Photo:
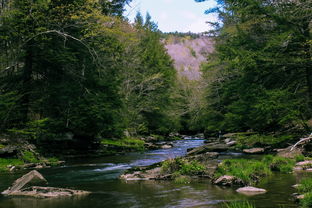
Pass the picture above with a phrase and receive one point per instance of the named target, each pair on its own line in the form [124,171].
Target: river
[100,176]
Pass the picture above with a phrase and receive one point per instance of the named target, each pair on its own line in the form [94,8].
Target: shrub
[281,164]
[28,156]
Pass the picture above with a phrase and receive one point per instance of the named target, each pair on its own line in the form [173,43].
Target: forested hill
[189,53]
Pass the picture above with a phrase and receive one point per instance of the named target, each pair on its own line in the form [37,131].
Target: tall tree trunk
[26,82]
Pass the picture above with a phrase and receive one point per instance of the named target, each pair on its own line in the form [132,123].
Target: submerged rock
[249,190]
[24,186]
[228,181]
[254,150]
[47,192]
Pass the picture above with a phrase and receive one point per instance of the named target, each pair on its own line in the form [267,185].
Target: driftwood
[24,187]
[301,141]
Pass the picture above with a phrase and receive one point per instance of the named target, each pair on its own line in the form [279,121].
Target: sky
[174,15]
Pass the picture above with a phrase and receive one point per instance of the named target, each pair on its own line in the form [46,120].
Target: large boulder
[249,190]
[228,181]
[48,192]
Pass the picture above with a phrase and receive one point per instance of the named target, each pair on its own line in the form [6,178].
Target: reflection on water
[100,176]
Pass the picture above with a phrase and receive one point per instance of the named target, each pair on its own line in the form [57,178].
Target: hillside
[188,54]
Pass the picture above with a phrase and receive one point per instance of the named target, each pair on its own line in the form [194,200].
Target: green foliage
[182,167]
[250,171]
[128,143]
[4,163]
[244,204]
[258,77]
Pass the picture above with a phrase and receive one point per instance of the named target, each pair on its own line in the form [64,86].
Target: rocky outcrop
[8,150]
[24,186]
[228,181]
[254,151]
[249,190]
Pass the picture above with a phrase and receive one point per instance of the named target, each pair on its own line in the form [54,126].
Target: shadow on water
[100,176]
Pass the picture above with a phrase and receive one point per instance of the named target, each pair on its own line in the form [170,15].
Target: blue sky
[174,15]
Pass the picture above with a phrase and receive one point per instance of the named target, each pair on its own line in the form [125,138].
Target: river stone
[166,146]
[254,150]
[305,163]
[228,181]
[249,190]
[31,178]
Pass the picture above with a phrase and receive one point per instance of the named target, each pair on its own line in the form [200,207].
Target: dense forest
[79,71]
[260,76]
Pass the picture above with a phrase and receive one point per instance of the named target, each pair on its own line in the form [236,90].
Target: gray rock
[254,150]
[8,150]
[228,181]
[166,146]
[231,143]
[249,190]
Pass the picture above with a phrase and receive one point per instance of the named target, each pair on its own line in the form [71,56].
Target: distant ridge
[189,53]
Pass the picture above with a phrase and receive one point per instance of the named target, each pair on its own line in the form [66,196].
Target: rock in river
[254,150]
[249,190]
[209,148]
[22,187]
[228,181]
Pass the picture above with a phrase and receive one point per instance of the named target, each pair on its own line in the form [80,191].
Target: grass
[182,167]
[305,188]
[2,146]
[4,163]
[246,141]
[306,202]
[244,204]
[249,171]
[305,185]
[126,143]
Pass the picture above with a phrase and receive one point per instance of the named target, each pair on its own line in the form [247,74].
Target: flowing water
[100,176]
